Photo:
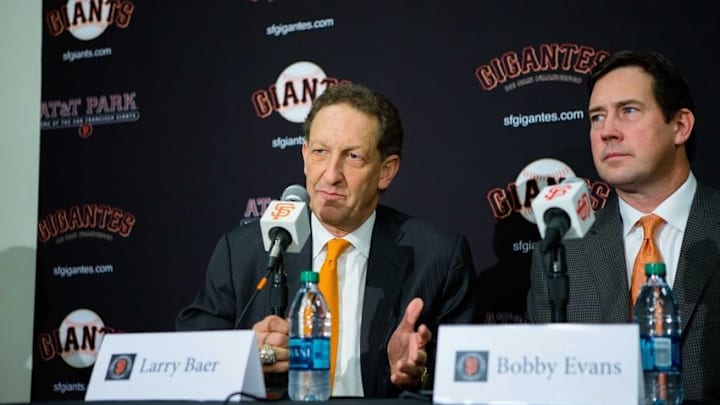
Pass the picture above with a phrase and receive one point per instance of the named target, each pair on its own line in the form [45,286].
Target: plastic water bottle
[657,314]
[309,376]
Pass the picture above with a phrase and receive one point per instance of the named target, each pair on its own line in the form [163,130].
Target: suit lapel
[605,253]
[699,246]
[388,266]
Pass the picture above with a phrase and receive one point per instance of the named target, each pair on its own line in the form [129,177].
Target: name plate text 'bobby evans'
[567,364]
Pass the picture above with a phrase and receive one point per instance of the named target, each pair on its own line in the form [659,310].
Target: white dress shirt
[675,210]
[352,269]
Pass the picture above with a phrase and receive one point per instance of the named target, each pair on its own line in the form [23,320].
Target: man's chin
[331,214]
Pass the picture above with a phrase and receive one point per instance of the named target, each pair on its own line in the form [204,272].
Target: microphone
[285,225]
[295,192]
[563,211]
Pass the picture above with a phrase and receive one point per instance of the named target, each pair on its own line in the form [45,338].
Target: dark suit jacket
[408,258]
[599,289]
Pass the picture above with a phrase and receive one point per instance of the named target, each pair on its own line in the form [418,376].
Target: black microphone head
[295,192]
[557,216]
[282,235]
[558,223]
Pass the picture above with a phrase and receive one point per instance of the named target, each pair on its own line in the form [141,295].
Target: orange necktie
[329,288]
[648,253]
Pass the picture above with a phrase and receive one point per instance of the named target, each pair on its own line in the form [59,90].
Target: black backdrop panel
[162,129]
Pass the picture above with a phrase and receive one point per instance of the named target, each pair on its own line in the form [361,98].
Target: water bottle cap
[308,276]
[655,269]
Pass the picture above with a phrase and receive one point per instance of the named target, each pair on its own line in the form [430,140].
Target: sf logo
[557,191]
[584,207]
[282,210]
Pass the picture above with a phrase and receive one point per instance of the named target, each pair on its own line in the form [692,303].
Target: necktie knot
[649,224]
[648,253]
[335,247]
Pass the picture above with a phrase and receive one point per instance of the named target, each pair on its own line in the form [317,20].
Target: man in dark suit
[641,121]
[400,278]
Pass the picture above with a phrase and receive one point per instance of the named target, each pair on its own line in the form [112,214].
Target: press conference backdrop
[165,124]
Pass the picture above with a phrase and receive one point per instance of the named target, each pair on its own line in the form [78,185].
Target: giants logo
[518,195]
[282,210]
[584,207]
[547,57]
[86,217]
[557,191]
[76,341]
[471,366]
[88,19]
[120,366]
[293,92]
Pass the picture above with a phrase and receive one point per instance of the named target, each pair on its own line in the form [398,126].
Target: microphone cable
[260,285]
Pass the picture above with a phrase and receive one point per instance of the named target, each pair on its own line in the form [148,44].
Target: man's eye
[629,110]
[596,118]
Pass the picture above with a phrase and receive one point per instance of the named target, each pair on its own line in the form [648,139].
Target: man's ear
[304,156]
[684,123]
[388,169]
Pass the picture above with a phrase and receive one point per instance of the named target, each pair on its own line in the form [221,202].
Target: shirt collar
[674,210]
[360,237]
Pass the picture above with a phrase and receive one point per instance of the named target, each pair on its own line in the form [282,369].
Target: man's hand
[274,331]
[406,349]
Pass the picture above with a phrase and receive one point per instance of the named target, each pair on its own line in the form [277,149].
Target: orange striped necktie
[329,289]
[648,253]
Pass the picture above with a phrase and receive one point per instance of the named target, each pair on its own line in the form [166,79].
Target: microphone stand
[276,384]
[278,288]
[278,283]
[558,284]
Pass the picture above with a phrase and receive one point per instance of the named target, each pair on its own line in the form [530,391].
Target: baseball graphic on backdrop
[302,76]
[92,28]
[540,170]
[81,333]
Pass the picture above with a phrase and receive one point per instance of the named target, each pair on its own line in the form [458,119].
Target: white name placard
[207,365]
[590,364]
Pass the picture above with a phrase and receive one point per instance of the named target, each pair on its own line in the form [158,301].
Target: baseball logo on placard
[471,365]
[120,366]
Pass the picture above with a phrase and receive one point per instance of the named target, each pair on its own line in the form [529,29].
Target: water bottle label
[663,354]
[309,354]
[660,353]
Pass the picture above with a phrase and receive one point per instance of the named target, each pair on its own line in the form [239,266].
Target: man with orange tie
[390,279]
[641,122]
